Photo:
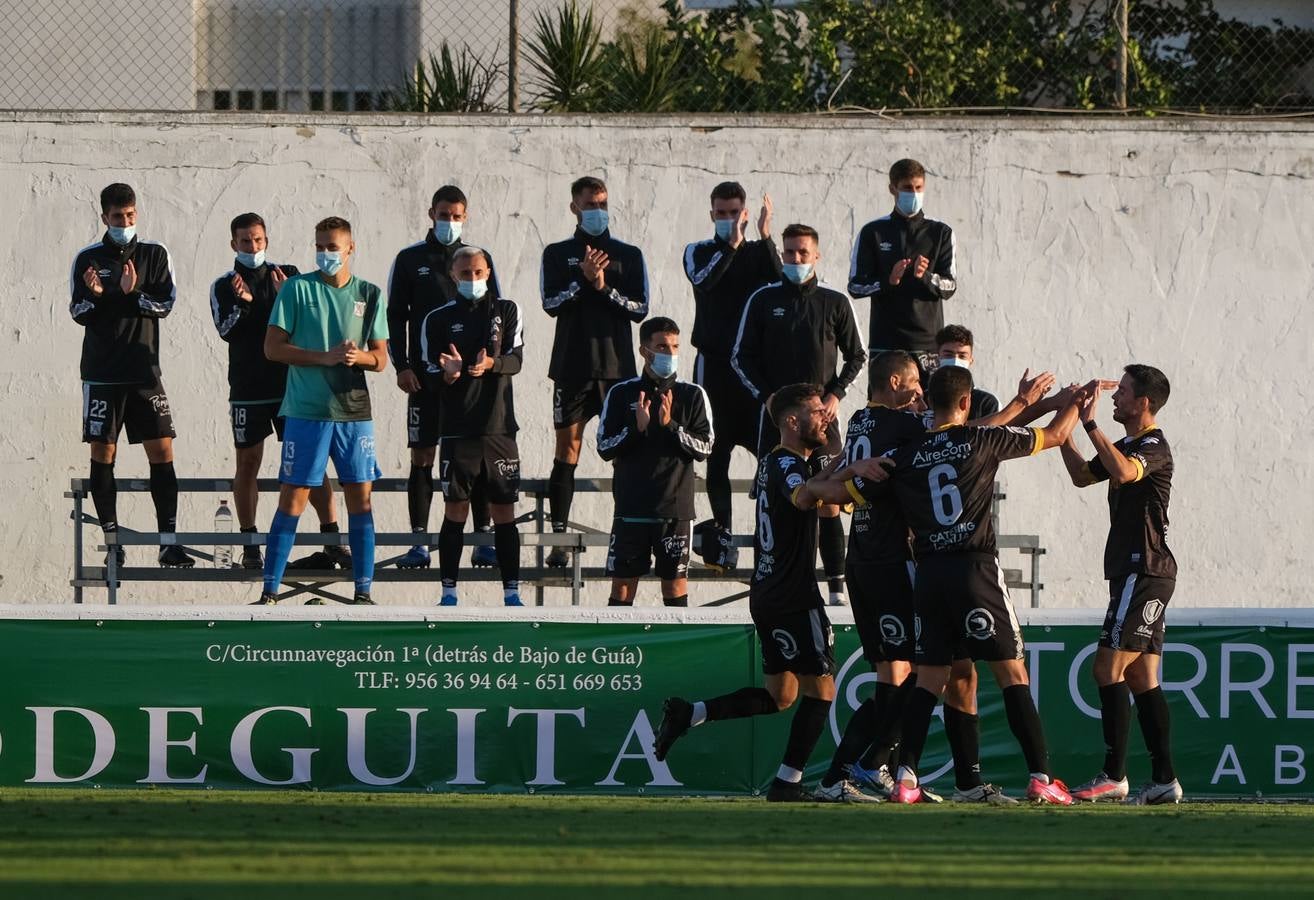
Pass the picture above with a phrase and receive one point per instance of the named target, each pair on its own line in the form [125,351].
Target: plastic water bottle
[223,524]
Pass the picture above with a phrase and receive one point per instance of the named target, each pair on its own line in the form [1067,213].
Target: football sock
[889,723]
[1152,712]
[918,708]
[857,735]
[561,493]
[805,731]
[830,539]
[1115,717]
[419,496]
[699,714]
[745,702]
[1024,722]
[451,541]
[479,511]
[682,600]
[164,493]
[360,536]
[964,733]
[104,495]
[718,482]
[506,541]
[278,547]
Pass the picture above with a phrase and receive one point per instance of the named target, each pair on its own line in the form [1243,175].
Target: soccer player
[421,281]
[904,262]
[944,483]
[787,608]
[954,345]
[1142,573]
[596,287]
[653,428]
[470,348]
[725,270]
[121,288]
[880,573]
[795,331]
[330,328]
[240,302]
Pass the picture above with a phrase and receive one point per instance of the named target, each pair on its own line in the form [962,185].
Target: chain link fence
[648,56]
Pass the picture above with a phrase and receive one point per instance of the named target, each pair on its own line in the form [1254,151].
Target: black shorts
[462,461]
[801,642]
[253,422]
[1136,612]
[422,419]
[736,414]
[633,545]
[963,611]
[575,403]
[143,409]
[883,610]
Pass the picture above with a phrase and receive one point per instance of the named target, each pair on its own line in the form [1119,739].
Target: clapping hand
[450,363]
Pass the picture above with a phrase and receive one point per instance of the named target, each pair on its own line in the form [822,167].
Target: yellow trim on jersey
[1140,468]
[858,499]
[939,428]
[1040,440]
[1151,427]
[793,495]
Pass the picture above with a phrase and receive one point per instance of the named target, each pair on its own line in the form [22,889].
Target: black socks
[104,495]
[745,702]
[419,496]
[451,541]
[889,721]
[1024,722]
[964,733]
[857,736]
[805,731]
[1115,717]
[830,540]
[718,482]
[561,493]
[682,600]
[506,540]
[164,493]
[1152,712]
[917,711]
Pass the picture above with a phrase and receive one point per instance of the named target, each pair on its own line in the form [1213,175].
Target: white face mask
[954,361]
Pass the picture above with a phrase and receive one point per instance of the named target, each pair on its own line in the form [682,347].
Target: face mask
[252,260]
[447,232]
[593,221]
[725,228]
[663,364]
[328,262]
[797,272]
[472,290]
[955,361]
[122,236]
[909,203]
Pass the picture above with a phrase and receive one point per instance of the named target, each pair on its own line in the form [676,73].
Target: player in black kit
[1142,574]
[240,302]
[725,270]
[121,288]
[786,605]
[944,484]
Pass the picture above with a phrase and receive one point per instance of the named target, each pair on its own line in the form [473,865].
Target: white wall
[1083,245]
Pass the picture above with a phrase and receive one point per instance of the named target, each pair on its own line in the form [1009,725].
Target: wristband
[1090,426]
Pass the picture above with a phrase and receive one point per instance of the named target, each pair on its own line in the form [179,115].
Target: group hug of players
[777,351]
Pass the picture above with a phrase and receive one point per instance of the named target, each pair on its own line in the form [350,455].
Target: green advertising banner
[565,706]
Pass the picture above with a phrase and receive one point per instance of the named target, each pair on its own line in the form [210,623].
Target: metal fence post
[513,56]
[1120,79]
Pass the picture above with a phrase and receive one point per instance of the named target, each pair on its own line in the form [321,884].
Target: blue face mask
[252,260]
[593,221]
[328,262]
[122,236]
[725,228]
[663,364]
[797,272]
[909,203]
[472,290]
[447,232]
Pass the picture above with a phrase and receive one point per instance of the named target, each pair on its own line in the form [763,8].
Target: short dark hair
[587,185]
[906,168]
[657,325]
[949,384]
[789,400]
[333,223]
[729,190]
[954,334]
[1150,383]
[797,230]
[890,362]
[246,220]
[117,196]
[449,193]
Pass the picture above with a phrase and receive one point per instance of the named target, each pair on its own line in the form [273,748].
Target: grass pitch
[58,844]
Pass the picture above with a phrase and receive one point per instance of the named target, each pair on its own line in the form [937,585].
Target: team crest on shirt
[358,309]
[788,646]
[104,273]
[778,312]
[979,624]
[457,328]
[892,631]
[1151,612]
[793,480]
[422,270]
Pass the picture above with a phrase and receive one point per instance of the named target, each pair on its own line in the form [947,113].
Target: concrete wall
[1083,245]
